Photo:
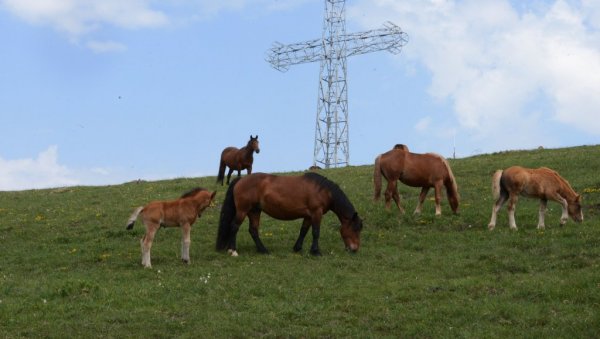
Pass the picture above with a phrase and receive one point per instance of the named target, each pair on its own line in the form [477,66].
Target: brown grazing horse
[542,183]
[182,212]
[416,170]
[238,159]
[306,197]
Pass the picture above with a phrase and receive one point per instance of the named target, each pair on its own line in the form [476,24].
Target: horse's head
[206,199]
[253,144]
[350,232]
[574,209]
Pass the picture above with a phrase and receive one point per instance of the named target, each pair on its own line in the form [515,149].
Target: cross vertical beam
[331,147]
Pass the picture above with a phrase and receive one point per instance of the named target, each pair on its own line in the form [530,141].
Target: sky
[101,92]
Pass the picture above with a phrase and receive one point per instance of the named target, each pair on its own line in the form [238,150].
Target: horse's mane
[192,192]
[340,202]
[565,183]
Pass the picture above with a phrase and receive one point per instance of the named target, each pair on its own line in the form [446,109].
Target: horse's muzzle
[352,248]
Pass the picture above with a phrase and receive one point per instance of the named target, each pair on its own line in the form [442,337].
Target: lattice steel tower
[331,133]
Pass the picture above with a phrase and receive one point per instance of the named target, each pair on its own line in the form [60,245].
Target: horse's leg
[497,206]
[565,208]
[235,226]
[254,218]
[146,243]
[392,192]
[303,231]
[543,203]
[185,243]
[422,197]
[512,204]
[249,170]
[229,174]
[438,197]
[316,231]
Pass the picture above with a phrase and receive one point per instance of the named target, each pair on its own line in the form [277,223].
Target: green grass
[69,268]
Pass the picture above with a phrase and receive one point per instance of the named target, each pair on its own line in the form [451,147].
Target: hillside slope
[68,266]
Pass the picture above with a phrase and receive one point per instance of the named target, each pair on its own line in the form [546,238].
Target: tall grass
[69,268]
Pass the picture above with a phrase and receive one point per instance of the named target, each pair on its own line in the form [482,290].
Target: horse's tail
[221,175]
[377,178]
[451,188]
[134,216]
[226,219]
[496,184]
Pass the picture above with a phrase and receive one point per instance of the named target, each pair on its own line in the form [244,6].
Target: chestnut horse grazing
[416,170]
[238,159]
[542,183]
[306,197]
[182,212]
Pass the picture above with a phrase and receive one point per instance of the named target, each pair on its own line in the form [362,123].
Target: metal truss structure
[331,147]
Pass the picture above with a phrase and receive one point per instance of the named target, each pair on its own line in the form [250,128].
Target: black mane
[192,192]
[340,204]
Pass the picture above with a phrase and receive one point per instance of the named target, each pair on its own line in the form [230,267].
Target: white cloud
[41,172]
[79,18]
[495,63]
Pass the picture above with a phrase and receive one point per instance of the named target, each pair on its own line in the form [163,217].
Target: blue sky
[96,92]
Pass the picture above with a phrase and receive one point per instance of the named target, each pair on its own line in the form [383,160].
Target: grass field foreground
[69,268]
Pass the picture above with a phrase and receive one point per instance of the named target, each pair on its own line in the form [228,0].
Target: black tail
[226,220]
[221,175]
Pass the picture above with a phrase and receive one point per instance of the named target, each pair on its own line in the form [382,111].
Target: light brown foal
[182,212]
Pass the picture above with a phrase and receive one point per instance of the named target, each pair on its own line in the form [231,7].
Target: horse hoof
[233,253]
[297,249]
[316,253]
[186,261]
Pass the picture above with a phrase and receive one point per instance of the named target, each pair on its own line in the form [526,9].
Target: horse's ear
[212,196]
[578,198]
[355,216]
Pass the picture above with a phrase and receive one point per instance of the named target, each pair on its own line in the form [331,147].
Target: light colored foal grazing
[182,212]
[542,183]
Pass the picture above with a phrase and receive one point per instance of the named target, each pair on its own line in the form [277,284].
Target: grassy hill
[68,267]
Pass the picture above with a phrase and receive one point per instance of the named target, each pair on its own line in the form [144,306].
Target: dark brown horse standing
[542,183]
[182,212]
[416,170]
[238,159]
[306,197]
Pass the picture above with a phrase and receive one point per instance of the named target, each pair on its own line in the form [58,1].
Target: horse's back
[535,182]
[281,197]
[424,169]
